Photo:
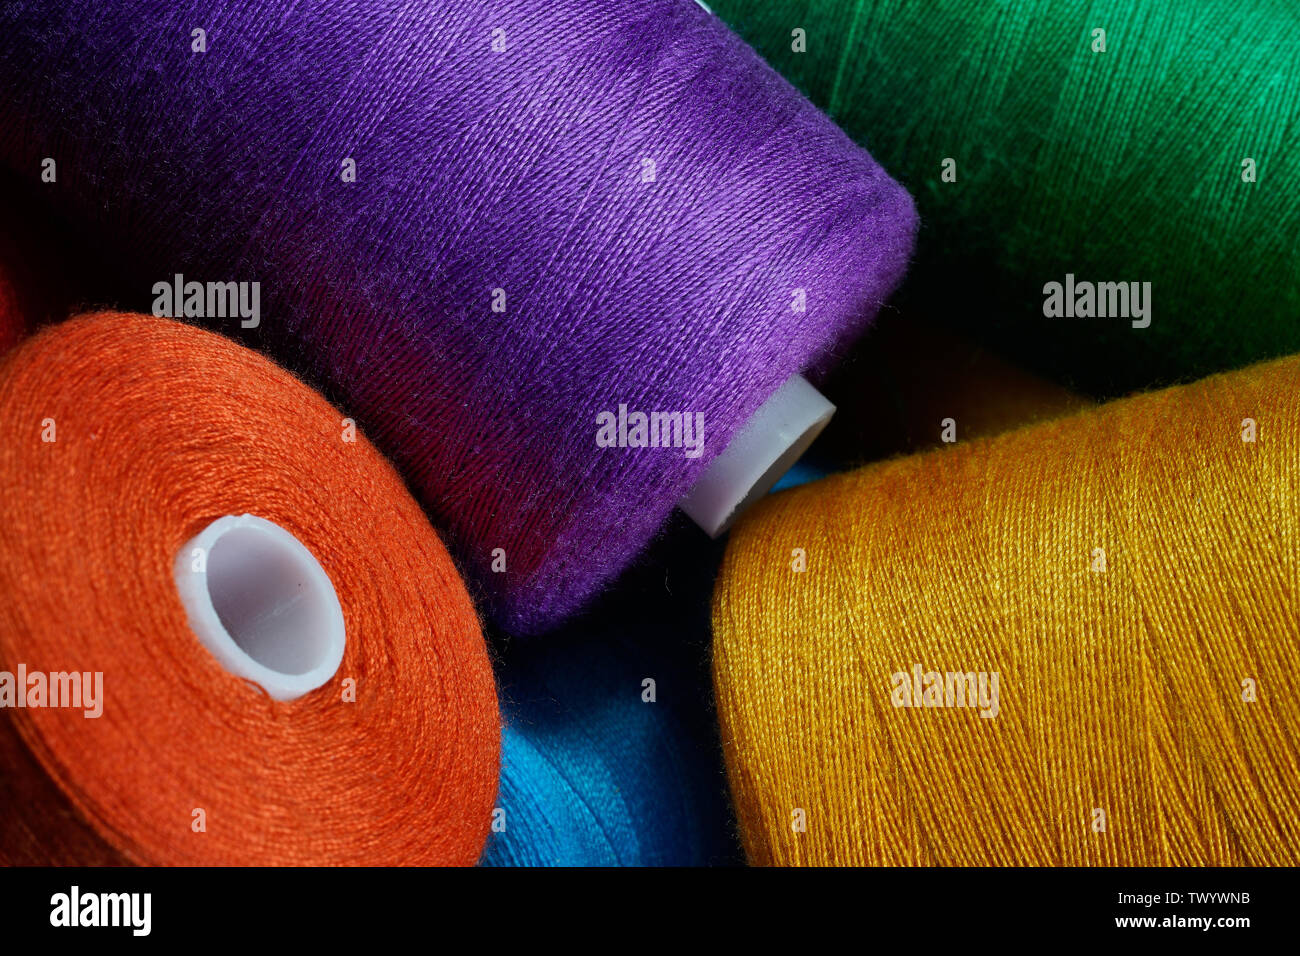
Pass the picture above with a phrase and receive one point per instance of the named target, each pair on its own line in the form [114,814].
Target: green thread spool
[1127,165]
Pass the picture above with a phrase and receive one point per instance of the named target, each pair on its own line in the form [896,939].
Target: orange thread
[161,428]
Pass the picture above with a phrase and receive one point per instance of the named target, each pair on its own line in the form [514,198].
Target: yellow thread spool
[1122,690]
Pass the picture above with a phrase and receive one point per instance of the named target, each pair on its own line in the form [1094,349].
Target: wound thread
[1130,573]
[1114,140]
[479,231]
[121,438]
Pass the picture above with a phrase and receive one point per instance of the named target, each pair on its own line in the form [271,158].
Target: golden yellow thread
[1122,733]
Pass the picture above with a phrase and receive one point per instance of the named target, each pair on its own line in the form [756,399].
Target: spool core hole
[262,604]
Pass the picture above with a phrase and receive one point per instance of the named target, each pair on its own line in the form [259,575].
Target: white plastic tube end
[762,451]
[262,604]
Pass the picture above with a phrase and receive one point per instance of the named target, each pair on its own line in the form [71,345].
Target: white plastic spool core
[762,451]
[262,604]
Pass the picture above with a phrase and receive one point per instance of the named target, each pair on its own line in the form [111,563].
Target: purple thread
[477,170]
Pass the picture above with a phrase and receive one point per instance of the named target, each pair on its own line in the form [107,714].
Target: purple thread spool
[559,207]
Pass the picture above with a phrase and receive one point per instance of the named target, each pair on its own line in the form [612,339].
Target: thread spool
[126,439]
[599,767]
[575,795]
[1033,154]
[470,265]
[1129,572]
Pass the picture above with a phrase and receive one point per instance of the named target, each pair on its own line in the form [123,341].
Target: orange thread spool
[159,429]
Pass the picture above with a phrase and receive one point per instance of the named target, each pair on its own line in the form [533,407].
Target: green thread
[1116,166]
[833,103]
